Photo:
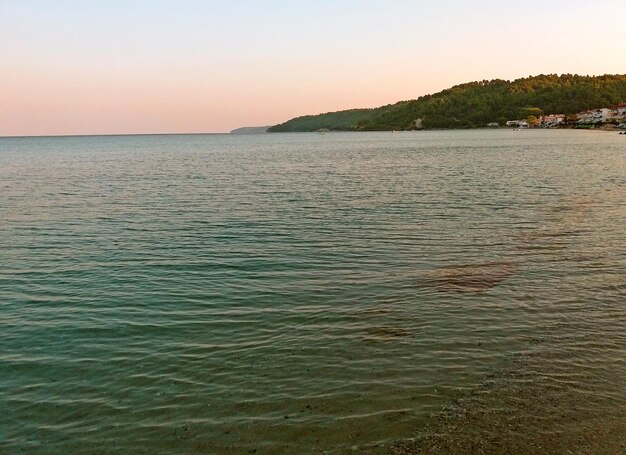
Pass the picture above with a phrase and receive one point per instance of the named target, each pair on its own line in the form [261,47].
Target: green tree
[531,111]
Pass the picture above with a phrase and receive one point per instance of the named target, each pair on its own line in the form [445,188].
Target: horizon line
[107,134]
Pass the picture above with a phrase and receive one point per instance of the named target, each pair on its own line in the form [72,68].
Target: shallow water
[435,292]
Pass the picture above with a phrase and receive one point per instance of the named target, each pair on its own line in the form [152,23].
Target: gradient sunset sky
[134,66]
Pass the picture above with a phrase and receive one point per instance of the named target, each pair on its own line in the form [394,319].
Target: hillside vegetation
[475,104]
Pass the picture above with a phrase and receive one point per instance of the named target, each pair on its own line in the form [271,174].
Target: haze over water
[300,293]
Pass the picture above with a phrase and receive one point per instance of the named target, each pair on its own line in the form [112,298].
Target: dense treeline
[338,121]
[475,104]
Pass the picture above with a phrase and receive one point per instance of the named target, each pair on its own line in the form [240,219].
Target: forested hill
[475,104]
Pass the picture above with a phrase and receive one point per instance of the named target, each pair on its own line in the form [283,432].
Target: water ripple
[432,292]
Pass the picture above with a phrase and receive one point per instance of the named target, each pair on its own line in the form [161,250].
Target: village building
[584,117]
[612,114]
[552,120]
[517,123]
[593,116]
[617,113]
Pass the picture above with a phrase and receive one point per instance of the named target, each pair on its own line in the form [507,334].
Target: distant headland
[485,103]
[250,130]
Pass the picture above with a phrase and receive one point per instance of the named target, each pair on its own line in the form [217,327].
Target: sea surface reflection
[428,292]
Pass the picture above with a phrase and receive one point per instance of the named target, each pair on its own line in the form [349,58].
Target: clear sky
[159,66]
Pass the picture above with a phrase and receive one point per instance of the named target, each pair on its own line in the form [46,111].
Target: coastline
[481,128]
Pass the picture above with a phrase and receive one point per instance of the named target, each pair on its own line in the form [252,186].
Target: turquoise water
[303,293]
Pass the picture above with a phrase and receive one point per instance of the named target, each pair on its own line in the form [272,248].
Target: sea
[433,292]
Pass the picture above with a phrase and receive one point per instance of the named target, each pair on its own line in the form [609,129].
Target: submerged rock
[470,277]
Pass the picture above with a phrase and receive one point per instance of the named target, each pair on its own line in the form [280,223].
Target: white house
[593,116]
[552,120]
[517,123]
[584,117]
[617,113]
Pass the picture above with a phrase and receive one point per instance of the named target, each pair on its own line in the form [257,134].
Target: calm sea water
[431,292]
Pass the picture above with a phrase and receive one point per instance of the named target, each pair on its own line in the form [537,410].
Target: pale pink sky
[69,67]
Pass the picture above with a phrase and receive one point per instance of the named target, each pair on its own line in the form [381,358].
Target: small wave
[469,277]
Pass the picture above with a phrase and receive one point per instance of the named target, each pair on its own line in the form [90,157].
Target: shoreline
[482,128]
